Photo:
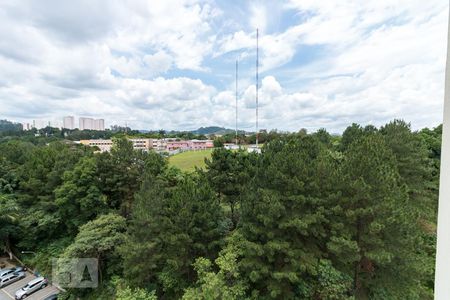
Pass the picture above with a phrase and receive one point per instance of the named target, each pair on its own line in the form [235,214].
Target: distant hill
[6,125]
[214,130]
[202,130]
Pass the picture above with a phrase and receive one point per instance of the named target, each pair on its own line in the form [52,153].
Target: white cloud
[258,17]
[160,64]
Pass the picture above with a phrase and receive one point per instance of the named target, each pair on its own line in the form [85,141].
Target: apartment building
[99,124]
[69,122]
[85,123]
[91,124]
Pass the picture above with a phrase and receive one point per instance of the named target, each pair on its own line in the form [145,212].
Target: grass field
[187,161]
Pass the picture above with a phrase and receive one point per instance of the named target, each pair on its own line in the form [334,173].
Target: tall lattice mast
[257,82]
[236,101]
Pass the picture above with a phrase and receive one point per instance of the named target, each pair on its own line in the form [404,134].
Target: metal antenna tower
[236,101]
[257,81]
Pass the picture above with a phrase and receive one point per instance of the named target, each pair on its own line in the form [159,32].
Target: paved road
[4,296]
[7,293]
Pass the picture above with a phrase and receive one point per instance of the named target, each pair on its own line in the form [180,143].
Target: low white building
[106,145]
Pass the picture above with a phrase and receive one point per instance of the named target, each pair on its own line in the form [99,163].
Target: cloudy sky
[170,64]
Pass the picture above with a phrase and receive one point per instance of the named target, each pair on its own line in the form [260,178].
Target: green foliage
[332,284]
[175,219]
[381,219]
[353,133]
[328,283]
[40,174]
[128,293]
[80,195]
[413,164]
[98,237]
[9,212]
[227,282]
[284,216]
[120,173]
[218,142]
[7,126]
[42,259]
[323,136]
[313,216]
[228,172]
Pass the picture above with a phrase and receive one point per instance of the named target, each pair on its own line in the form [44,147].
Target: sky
[171,64]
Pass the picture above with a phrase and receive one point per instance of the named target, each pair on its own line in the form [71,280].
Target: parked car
[20,269]
[9,271]
[12,277]
[31,287]
[6,272]
[52,297]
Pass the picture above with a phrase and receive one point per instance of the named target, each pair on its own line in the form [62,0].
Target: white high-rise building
[99,124]
[69,122]
[86,123]
[91,124]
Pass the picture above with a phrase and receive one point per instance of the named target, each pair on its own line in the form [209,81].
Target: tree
[9,212]
[414,165]
[313,216]
[323,136]
[128,293]
[121,173]
[125,292]
[353,133]
[228,172]
[175,219]
[433,140]
[98,239]
[326,284]
[227,282]
[284,216]
[40,174]
[79,198]
[218,142]
[380,233]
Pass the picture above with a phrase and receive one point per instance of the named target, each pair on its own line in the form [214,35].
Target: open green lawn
[187,161]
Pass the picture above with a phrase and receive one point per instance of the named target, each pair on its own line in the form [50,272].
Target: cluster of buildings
[68,122]
[38,124]
[83,123]
[169,145]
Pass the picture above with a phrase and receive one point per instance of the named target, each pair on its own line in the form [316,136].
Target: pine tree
[121,172]
[414,166]
[229,172]
[79,198]
[380,231]
[175,219]
[228,282]
[284,217]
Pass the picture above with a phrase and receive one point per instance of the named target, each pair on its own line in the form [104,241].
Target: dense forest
[313,216]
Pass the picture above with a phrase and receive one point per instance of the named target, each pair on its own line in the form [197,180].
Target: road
[7,293]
